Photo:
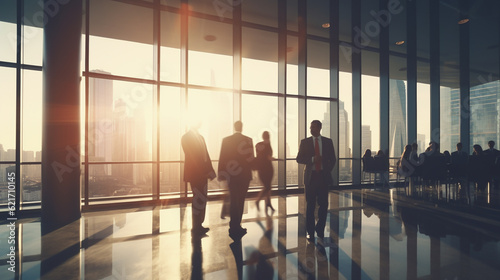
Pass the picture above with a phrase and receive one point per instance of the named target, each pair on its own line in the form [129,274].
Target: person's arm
[302,156]
[331,156]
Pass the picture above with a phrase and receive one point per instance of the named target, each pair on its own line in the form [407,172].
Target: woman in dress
[265,169]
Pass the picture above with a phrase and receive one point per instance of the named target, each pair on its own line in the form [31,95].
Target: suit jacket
[197,164]
[236,158]
[306,154]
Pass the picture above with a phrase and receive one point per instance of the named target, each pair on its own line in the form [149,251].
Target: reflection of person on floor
[318,156]
[264,268]
[196,259]
[197,169]
[235,167]
[264,166]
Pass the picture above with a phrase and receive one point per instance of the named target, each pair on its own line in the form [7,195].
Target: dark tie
[316,153]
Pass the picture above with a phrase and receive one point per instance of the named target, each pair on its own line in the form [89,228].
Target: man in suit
[235,167]
[197,169]
[318,156]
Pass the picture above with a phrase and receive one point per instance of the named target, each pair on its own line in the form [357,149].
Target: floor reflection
[406,232]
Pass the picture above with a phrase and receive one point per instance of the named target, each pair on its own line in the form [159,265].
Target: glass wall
[152,70]
[21,105]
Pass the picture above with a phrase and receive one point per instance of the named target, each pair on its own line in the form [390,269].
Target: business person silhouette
[197,169]
[264,166]
[235,167]
[318,156]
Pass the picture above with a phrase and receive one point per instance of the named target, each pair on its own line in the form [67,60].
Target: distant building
[366,138]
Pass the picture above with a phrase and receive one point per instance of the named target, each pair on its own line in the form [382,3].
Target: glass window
[318,18]
[7,114]
[8,30]
[292,69]
[31,112]
[292,15]
[319,110]
[112,180]
[5,170]
[259,114]
[397,106]
[424,117]
[172,3]
[259,66]
[210,56]
[345,17]
[121,39]
[484,119]
[170,178]
[449,119]
[318,68]
[263,12]
[292,127]
[31,184]
[170,123]
[370,102]
[345,115]
[221,8]
[216,111]
[33,22]
[170,57]
[120,121]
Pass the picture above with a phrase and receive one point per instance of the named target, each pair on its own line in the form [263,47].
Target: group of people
[457,163]
[236,162]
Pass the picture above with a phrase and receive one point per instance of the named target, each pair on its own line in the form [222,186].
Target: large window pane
[119,180]
[5,171]
[265,120]
[215,109]
[8,31]
[484,119]
[318,68]
[7,114]
[424,117]
[210,53]
[121,39]
[31,112]
[449,118]
[292,127]
[170,123]
[292,69]
[170,178]
[31,183]
[370,102]
[319,110]
[318,18]
[170,57]
[33,22]
[120,121]
[254,11]
[397,106]
[260,60]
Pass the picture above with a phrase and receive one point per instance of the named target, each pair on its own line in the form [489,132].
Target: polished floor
[412,232]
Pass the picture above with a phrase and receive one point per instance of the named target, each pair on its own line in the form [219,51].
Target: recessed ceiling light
[399,43]
[210,38]
[462,21]
[325,25]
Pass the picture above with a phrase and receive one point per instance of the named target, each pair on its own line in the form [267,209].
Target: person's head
[446,153]
[459,146]
[491,144]
[414,147]
[315,128]
[238,126]
[368,153]
[265,135]
[477,149]
[380,153]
